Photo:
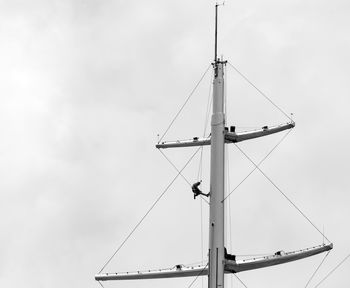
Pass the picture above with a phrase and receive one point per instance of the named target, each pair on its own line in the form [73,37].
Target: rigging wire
[240,280]
[202,238]
[312,276]
[199,174]
[179,171]
[285,196]
[183,105]
[172,164]
[227,174]
[229,202]
[202,244]
[208,111]
[199,274]
[200,168]
[261,161]
[262,93]
[99,282]
[336,267]
[209,102]
[148,211]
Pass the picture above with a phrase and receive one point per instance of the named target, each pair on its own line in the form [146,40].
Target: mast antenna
[216,30]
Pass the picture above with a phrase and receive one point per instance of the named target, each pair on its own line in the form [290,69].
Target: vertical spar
[216,235]
[217,180]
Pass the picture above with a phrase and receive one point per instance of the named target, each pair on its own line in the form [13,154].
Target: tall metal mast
[217,175]
[219,262]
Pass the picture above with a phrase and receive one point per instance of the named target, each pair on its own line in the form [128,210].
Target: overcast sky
[86,86]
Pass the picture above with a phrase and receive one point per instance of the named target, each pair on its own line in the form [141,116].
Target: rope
[202,238]
[209,103]
[199,175]
[200,168]
[227,175]
[229,205]
[183,106]
[332,271]
[148,211]
[312,276]
[229,202]
[240,280]
[101,284]
[179,171]
[261,161]
[199,274]
[262,93]
[289,200]
[201,148]
[202,244]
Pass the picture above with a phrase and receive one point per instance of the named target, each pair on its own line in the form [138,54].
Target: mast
[218,262]
[217,178]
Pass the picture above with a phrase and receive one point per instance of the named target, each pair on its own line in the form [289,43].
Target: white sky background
[87,85]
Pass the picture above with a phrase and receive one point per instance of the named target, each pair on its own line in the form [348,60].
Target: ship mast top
[216,32]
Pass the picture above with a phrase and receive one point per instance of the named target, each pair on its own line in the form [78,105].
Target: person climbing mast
[196,191]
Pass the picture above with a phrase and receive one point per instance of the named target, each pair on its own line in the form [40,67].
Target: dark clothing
[196,191]
[195,188]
